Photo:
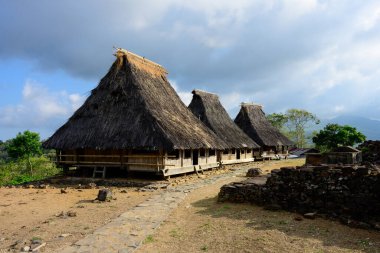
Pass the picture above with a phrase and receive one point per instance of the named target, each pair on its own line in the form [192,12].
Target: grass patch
[149,239]
[174,233]
[36,238]
[204,248]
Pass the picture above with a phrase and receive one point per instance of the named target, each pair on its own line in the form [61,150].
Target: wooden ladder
[99,170]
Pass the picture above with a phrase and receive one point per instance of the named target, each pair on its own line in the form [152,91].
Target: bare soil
[34,213]
[201,224]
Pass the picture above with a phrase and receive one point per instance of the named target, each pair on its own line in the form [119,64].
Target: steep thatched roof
[134,106]
[251,119]
[207,107]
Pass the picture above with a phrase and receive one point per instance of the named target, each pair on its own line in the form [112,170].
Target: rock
[104,195]
[123,191]
[298,218]
[71,214]
[30,186]
[254,172]
[310,215]
[25,249]
[63,191]
[43,186]
[91,186]
[36,241]
[64,235]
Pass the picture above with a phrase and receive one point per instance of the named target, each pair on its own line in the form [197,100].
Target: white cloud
[39,106]
[185,96]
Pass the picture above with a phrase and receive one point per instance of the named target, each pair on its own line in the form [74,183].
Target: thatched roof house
[251,119]
[207,107]
[134,107]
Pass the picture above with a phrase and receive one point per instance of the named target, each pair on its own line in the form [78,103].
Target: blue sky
[318,55]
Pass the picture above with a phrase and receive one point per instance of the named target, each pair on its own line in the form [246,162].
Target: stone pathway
[127,232]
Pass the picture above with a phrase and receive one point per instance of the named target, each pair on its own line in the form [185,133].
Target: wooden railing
[105,160]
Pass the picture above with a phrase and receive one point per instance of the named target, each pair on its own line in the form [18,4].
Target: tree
[293,124]
[334,135]
[25,145]
[298,120]
[277,120]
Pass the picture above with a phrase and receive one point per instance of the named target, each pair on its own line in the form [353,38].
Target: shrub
[17,172]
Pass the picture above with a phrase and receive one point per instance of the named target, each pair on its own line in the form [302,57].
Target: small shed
[345,155]
[339,155]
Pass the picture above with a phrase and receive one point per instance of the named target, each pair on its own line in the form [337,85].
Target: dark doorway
[195,157]
[238,154]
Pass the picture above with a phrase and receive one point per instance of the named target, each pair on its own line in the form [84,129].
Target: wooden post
[128,153]
[121,158]
[182,154]
[164,160]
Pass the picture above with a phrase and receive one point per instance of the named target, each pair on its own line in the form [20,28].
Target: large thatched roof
[251,119]
[207,107]
[134,106]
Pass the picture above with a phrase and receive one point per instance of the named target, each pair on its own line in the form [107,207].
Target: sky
[319,55]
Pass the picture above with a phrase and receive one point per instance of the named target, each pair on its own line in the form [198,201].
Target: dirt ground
[27,214]
[200,224]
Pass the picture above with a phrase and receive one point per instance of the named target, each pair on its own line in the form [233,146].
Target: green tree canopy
[25,145]
[277,120]
[334,135]
[293,124]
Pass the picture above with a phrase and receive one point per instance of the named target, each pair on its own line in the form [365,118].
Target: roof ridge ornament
[139,61]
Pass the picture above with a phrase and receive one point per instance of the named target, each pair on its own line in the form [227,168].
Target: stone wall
[351,194]
[370,151]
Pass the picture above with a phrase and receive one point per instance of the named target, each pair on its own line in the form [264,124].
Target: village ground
[199,224]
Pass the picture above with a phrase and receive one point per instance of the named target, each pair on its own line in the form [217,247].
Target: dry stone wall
[350,194]
[370,151]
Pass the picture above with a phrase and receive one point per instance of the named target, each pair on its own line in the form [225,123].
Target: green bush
[18,172]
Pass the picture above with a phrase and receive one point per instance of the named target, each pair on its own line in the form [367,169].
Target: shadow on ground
[330,233]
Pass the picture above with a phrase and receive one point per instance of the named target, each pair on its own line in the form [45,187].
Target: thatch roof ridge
[251,119]
[134,106]
[204,93]
[207,107]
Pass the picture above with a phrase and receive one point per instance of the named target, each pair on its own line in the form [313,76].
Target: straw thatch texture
[134,106]
[207,107]
[251,119]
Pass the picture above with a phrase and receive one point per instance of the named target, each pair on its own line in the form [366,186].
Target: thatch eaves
[251,119]
[207,107]
[134,106]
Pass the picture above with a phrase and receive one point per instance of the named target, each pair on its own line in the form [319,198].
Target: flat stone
[310,215]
